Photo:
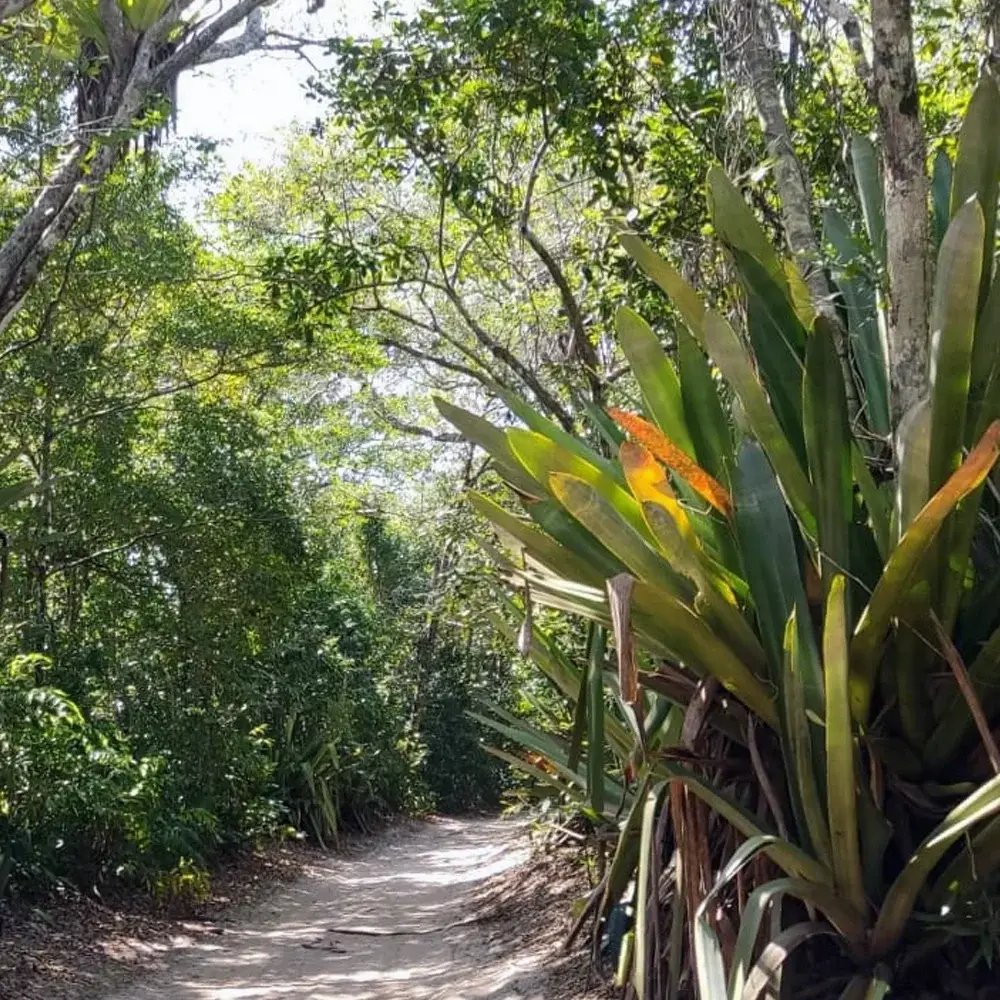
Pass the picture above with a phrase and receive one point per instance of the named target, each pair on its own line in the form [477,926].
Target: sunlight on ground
[416,883]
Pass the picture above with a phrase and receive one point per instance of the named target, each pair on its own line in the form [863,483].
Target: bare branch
[435,359]
[446,437]
[200,49]
[580,345]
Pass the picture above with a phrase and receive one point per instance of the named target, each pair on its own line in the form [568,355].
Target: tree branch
[445,437]
[435,359]
[851,27]
[62,199]
[499,351]
[199,49]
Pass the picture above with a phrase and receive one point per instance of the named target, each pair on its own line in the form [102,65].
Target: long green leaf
[799,740]
[828,444]
[953,324]
[709,967]
[842,804]
[664,628]
[554,433]
[877,503]
[951,377]
[494,442]
[899,901]
[561,671]
[554,750]
[553,519]
[861,304]
[770,557]
[787,856]
[605,522]
[722,613]
[558,667]
[941,182]
[579,731]
[737,226]
[609,432]
[984,380]
[977,169]
[914,458]
[626,854]
[683,295]
[887,600]
[595,717]
[661,389]
[535,773]
[706,420]
[731,357]
[778,340]
[645,941]
[690,640]
[765,975]
[868,175]
[537,741]
[541,547]
[542,457]
[837,910]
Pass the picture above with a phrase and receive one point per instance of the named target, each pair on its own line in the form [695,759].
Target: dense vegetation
[228,608]
[729,462]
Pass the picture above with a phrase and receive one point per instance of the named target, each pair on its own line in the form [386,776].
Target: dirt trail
[412,894]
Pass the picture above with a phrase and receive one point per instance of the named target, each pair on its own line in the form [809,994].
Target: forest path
[417,884]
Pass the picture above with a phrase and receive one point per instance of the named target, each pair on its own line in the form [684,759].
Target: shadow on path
[414,886]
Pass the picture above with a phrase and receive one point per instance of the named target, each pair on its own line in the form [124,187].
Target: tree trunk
[135,76]
[791,180]
[904,155]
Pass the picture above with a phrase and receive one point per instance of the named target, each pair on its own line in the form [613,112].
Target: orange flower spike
[655,441]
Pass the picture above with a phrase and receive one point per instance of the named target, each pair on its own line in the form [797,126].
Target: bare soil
[454,909]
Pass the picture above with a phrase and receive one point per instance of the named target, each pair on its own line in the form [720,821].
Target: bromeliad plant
[760,571]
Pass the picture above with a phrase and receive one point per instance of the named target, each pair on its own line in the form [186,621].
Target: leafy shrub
[791,651]
[73,799]
[184,886]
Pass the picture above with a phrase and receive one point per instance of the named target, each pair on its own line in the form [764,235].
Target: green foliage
[212,634]
[842,691]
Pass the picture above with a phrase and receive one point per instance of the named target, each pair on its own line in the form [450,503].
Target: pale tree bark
[9,9]
[851,27]
[904,156]
[791,179]
[137,70]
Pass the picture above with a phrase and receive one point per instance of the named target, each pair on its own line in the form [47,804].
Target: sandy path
[417,881]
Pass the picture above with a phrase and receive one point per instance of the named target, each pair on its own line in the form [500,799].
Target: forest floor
[450,908]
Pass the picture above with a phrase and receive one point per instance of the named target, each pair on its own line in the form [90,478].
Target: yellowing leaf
[893,587]
[667,452]
[648,483]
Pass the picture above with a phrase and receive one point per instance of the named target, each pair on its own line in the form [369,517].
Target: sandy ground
[411,899]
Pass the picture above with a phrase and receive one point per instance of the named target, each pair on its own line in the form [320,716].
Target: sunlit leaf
[655,441]
[892,589]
